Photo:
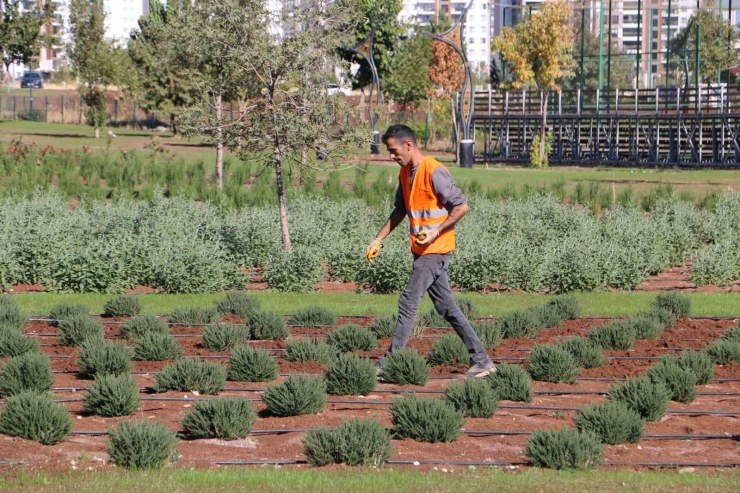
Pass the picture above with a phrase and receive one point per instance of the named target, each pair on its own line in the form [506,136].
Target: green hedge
[179,245]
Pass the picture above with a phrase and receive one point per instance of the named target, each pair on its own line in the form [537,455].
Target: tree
[20,34]
[447,74]
[500,74]
[281,103]
[384,14]
[93,58]
[621,65]
[717,41]
[206,66]
[162,65]
[538,50]
[408,82]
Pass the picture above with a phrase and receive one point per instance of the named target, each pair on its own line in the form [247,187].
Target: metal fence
[719,98]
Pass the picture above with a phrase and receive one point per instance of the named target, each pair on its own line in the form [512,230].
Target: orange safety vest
[424,209]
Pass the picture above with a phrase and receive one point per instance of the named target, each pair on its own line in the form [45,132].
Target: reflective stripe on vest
[428,214]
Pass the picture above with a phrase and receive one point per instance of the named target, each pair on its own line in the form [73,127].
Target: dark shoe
[480,371]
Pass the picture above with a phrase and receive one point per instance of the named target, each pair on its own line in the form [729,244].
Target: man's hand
[427,236]
[373,250]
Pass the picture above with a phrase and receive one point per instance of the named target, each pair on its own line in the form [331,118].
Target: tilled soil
[284,441]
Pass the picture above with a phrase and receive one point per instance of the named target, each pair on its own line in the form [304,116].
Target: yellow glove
[427,236]
[373,250]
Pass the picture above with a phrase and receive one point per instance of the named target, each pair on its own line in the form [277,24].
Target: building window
[471,41]
[482,41]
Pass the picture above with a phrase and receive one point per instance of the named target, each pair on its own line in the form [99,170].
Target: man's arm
[399,212]
[393,221]
[457,213]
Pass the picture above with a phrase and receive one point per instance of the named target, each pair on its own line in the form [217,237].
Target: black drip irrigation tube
[411,462]
[408,462]
[690,412]
[648,436]
[434,377]
[402,391]
[494,358]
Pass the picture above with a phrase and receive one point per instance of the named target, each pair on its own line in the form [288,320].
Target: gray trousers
[430,275]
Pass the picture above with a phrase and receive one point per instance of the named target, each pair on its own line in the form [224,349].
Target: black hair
[400,133]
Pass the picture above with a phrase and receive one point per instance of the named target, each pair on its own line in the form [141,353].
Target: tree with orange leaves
[538,50]
[447,74]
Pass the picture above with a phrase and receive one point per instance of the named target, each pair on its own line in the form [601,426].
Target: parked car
[32,79]
[336,89]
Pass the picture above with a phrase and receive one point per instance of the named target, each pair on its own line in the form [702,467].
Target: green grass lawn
[484,480]
[75,136]
[704,304]
[36,92]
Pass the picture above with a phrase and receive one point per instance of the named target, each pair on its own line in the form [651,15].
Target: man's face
[400,151]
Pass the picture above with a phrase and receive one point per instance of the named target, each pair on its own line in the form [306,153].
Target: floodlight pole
[454,37]
[365,50]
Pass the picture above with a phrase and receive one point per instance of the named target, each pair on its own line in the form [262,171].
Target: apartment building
[477,33]
[639,28]
[121,17]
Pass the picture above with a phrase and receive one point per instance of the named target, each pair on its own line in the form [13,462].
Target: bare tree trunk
[543,126]
[281,195]
[219,142]
[97,132]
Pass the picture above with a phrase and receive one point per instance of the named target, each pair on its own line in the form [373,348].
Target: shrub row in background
[529,322]
[621,334]
[178,245]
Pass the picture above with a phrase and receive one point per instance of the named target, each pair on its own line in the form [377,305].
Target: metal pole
[583,32]
[601,45]
[650,61]
[609,63]
[719,44]
[668,39]
[697,61]
[729,21]
[639,41]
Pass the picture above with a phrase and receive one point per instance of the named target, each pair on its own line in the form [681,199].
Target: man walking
[428,196]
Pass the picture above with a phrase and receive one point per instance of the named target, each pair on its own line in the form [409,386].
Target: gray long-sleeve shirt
[444,188]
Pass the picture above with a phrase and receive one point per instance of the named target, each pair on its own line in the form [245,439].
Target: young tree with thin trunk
[155,49]
[447,74]
[203,43]
[539,53]
[93,58]
[408,81]
[20,34]
[281,105]
[717,41]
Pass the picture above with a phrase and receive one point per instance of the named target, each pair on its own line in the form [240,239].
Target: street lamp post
[454,37]
[365,50]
